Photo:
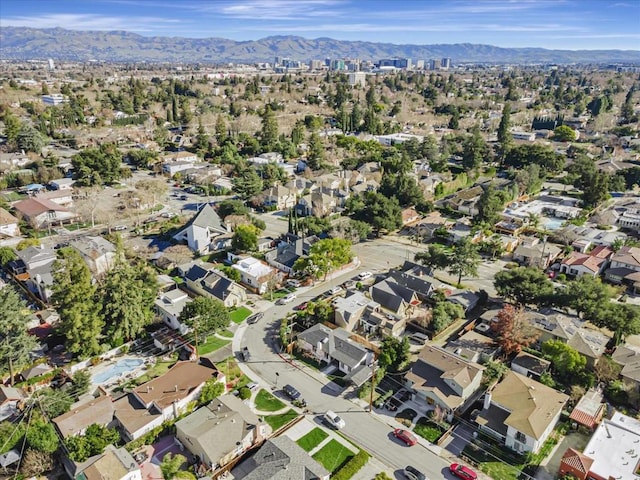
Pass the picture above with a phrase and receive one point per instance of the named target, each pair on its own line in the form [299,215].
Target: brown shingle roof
[176,384]
[32,207]
[98,411]
[6,218]
[532,404]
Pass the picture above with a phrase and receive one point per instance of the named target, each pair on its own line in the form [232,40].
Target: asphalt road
[366,430]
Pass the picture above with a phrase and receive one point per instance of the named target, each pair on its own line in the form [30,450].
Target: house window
[521,437]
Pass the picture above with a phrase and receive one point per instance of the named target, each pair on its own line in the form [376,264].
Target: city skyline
[559,24]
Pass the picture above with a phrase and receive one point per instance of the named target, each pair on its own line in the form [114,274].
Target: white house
[62,183]
[170,305]
[521,412]
[8,224]
[254,273]
[10,398]
[201,230]
[98,253]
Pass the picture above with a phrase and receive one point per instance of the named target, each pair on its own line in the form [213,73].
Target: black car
[412,473]
[255,318]
[246,355]
[291,392]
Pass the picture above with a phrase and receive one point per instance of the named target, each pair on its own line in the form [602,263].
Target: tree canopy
[15,341]
[206,314]
[523,285]
[513,331]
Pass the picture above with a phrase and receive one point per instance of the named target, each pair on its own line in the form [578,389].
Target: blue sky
[565,24]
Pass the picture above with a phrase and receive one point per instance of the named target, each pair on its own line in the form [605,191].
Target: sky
[556,24]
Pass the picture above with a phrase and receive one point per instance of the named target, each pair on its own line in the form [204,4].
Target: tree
[315,155]
[231,207]
[142,158]
[324,256]
[26,243]
[622,319]
[434,257]
[202,139]
[171,465]
[564,133]
[596,189]
[382,213]
[504,130]
[394,353]
[464,259]
[93,442]
[12,127]
[154,190]
[35,463]
[127,297]
[490,204]
[81,383]
[15,341]
[205,314]
[475,150]
[402,186]
[245,238]
[53,402]
[444,314]
[74,297]
[523,285]
[211,389]
[526,154]
[7,254]
[493,372]
[93,166]
[42,436]
[269,132]
[589,296]
[29,139]
[513,331]
[606,369]
[565,360]
[247,184]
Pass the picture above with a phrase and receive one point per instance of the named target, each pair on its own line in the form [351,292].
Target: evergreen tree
[269,132]
[15,341]
[315,157]
[202,139]
[504,131]
[221,130]
[74,297]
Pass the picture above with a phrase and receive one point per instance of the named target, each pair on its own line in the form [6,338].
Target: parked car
[335,290]
[302,306]
[405,436]
[365,276]
[348,284]
[255,318]
[287,299]
[291,392]
[292,282]
[119,228]
[333,420]
[462,471]
[246,355]
[412,473]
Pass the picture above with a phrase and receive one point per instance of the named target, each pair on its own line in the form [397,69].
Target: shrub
[245,393]
[352,467]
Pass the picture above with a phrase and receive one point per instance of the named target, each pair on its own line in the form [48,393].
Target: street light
[277,375]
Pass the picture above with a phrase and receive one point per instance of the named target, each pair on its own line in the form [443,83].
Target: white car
[365,275]
[333,420]
[288,299]
[335,290]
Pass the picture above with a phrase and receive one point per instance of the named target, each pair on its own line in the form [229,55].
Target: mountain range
[21,43]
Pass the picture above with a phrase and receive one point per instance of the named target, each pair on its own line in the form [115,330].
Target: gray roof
[9,458]
[93,247]
[36,254]
[391,295]
[531,363]
[218,427]
[280,459]
[196,272]
[217,284]
[335,343]
[422,286]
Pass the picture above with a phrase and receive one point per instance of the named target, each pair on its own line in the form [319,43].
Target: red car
[462,471]
[302,306]
[406,436]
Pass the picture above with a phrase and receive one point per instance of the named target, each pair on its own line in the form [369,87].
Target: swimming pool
[553,223]
[122,367]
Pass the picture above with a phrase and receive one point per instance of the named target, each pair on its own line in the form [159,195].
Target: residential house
[280,458]
[441,378]
[221,431]
[179,161]
[612,452]
[254,273]
[374,321]
[8,224]
[199,233]
[532,253]
[630,219]
[624,264]
[467,299]
[348,310]
[42,213]
[628,357]
[98,253]
[589,410]
[465,201]
[554,325]
[426,228]
[592,263]
[63,198]
[279,197]
[35,371]
[337,346]
[11,161]
[529,365]
[75,422]
[215,284]
[112,464]
[394,297]
[473,346]
[462,230]
[409,216]
[62,183]
[10,401]
[521,412]
[163,398]
[416,279]
[317,204]
[285,255]
[169,306]
[34,268]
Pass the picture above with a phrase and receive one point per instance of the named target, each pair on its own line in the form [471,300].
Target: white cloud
[277,9]
[73,21]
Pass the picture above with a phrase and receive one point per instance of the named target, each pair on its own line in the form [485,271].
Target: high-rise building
[445,63]
[52,66]
[420,64]
[434,64]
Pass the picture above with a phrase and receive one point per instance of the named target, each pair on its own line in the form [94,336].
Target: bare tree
[88,202]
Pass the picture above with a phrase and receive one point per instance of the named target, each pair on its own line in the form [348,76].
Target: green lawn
[226,333]
[427,430]
[212,344]
[160,368]
[267,402]
[500,471]
[277,421]
[239,314]
[312,439]
[333,455]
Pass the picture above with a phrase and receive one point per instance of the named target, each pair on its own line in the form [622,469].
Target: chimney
[175,388]
[148,388]
[487,401]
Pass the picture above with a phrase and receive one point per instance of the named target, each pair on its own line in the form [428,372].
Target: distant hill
[18,43]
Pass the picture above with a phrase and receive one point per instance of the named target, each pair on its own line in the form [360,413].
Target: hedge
[352,467]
